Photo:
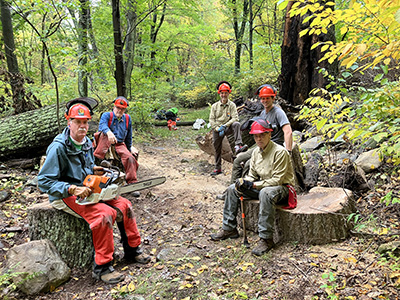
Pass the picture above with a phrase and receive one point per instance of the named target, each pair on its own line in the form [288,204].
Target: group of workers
[262,172]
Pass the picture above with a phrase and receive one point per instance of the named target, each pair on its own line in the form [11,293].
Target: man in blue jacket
[116,129]
[69,160]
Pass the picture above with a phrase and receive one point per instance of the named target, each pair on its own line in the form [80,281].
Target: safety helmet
[78,111]
[266,90]
[260,126]
[80,108]
[121,102]
[224,86]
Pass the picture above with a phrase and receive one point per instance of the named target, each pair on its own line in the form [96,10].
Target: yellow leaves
[350,259]
[360,49]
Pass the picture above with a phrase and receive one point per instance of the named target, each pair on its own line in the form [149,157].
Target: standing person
[116,129]
[69,160]
[282,131]
[224,119]
[270,179]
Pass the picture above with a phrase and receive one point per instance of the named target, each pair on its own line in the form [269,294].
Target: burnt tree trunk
[300,66]
[28,134]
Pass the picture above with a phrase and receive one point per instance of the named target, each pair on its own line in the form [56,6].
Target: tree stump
[319,218]
[206,144]
[71,235]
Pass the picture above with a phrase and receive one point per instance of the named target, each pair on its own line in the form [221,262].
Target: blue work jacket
[122,132]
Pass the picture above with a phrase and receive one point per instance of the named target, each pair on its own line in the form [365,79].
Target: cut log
[319,218]
[28,134]
[71,235]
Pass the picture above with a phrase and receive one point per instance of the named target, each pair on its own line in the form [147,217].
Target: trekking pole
[245,241]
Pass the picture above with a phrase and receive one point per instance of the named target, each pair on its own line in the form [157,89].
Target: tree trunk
[118,47]
[319,218]
[239,31]
[21,102]
[300,66]
[129,52]
[83,48]
[28,134]
[71,235]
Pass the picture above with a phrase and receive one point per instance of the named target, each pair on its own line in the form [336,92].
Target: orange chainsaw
[104,189]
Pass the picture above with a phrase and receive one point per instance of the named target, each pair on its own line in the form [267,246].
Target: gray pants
[217,141]
[268,196]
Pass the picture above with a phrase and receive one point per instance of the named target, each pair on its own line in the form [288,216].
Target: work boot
[135,255]
[263,246]
[225,234]
[107,274]
[216,172]
[240,149]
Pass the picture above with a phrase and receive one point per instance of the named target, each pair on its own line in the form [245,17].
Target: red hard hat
[78,111]
[121,102]
[267,91]
[260,126]
[224,87]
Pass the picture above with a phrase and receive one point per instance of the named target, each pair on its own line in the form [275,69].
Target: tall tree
[239,26]
[83,48]
[20,102]
[118,48]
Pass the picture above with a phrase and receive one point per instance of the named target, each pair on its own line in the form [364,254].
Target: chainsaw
[104,189]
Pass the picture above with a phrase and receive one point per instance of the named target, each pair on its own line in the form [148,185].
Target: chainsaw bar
[141,185]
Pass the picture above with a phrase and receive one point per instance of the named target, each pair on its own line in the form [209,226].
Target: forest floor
[175,220]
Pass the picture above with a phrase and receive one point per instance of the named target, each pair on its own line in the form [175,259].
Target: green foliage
[197,97]
[388,199]
[330,286]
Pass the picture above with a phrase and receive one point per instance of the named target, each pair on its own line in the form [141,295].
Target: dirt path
[175,220]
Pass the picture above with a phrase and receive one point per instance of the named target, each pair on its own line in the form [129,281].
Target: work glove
[97,170]
[242,185]
[221,130]
[79,191]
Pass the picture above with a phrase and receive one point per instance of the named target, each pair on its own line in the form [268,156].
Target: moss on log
[71,235]
[28,134]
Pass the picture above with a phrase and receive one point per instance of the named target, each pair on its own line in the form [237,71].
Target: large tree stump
[71,235]
[206,144]
[319,218]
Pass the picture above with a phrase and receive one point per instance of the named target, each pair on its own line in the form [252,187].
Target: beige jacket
[223,114]
[270,167]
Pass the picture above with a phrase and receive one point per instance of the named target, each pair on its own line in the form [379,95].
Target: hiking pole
[245,241]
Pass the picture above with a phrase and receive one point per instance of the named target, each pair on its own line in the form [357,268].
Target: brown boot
[225,234]
[135,255]
[263,246]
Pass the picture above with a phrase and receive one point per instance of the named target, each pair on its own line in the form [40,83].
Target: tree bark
[28,134]
[71,235]
[239,31]
[319,218]
[300,66]
[83,48]
[118,47]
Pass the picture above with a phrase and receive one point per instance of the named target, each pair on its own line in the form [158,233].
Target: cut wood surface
[71,235]
[319,218]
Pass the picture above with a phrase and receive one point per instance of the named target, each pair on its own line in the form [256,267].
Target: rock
[4,195]
[392,247]
[40,266]
[369,161]
[164,254]
[312,144]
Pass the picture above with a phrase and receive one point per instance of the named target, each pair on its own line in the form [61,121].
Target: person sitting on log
[115,128]
[69,160]
[270,179]
[224,120]
[281,135]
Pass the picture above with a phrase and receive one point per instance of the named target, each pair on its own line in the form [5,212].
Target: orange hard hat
[266,90]
[121,102]
[224,87]
[78,111]
[260,126]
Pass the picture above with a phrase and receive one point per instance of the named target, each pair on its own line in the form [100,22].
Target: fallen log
[319,218]
[28,134]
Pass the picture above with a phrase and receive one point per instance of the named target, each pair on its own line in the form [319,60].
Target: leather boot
[263,246]
[107,274]
[135,254]
[225,234]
